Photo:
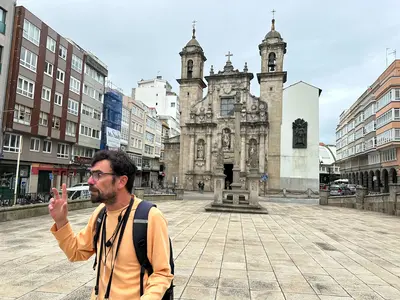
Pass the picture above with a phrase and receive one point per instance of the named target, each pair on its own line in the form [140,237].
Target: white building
[158,93]
[125,128]
[300,147]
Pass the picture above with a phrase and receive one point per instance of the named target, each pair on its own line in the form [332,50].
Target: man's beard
[106,198]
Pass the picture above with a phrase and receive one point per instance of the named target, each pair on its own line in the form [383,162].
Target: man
[118,270]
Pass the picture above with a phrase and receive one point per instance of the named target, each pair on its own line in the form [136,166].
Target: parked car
[335,190]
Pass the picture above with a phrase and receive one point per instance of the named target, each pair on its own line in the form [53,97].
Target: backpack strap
[98,223]
[140,225]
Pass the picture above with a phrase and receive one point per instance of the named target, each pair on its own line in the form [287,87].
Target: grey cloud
[338,46]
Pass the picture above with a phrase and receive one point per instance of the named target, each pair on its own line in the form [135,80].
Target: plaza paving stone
[295,252]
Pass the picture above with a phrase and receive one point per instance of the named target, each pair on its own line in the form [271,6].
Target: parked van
[78,192]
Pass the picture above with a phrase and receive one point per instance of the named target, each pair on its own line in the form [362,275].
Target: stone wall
[34,210]
[384,203]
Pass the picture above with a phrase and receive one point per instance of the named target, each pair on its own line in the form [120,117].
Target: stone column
[208,157]
[360,195]
[261,158]
[254,186]
[219,183]
[191,153]
[236,167]
[323,197]
[243,155]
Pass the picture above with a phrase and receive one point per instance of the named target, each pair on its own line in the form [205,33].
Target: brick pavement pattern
[298,251]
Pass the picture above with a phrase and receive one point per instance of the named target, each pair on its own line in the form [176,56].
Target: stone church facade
[228,125]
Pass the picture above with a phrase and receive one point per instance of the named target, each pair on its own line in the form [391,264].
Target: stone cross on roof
[229,55]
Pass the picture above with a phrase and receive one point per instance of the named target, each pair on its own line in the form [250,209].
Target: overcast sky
[338,46]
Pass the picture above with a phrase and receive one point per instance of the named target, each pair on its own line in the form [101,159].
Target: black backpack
[140,221]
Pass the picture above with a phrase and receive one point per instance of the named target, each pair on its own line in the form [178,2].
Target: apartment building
[42,104]
[125,120]
[53,107]
[158,93]
[91,113]
[6,28]
[368,134]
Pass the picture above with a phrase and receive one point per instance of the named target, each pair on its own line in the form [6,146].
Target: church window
[227,107]
[172,104]
[190,69]
[271,62]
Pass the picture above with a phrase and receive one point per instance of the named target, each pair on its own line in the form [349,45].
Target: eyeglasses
[96,175]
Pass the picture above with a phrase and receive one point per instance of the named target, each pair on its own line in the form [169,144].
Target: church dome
[273,34]
[193,42]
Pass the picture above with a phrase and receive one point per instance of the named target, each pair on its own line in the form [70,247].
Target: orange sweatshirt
[126,277]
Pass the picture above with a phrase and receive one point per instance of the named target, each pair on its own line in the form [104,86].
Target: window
[385,100]
[384,137]
[82,151]
[58,98]
[369,111]
[51,44]
[71,128]
[359,134]
[388,155]
[374,158]
[43,118]
[46,94]
[28,59]
[97,114]
[227,107]
[90,132]
[94,74]
[47,146]
[25,87]
[2,20]
[172,104]
[11,142]
[56,123]
[73,107]
[384,119]
[63,151]
[369,127]
[22,114]
[48,69]
[35,145]
[62,52]
[76,63]
[60,75]
[75,85]
[149,137]
[31,32]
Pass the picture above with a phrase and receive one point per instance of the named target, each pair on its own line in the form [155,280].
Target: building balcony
[329,170]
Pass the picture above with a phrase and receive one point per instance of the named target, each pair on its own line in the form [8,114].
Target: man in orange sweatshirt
[111,183]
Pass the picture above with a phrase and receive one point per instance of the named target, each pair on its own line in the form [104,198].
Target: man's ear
[123,180]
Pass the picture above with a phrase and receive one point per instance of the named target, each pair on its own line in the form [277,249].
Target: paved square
[296,252]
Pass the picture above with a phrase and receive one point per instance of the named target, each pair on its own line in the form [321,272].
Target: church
[225,125]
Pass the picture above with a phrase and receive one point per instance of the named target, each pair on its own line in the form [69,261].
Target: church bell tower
[271,80]
[191,89]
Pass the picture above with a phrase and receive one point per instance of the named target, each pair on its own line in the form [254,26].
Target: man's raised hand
[58,207]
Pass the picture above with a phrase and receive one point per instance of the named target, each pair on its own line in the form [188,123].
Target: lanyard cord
[103,244]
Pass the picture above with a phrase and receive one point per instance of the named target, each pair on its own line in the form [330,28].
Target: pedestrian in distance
[129,236]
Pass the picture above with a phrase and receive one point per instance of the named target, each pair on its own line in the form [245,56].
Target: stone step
[231,208]
[228,201]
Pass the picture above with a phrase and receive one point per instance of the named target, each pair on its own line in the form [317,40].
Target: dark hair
[120,163]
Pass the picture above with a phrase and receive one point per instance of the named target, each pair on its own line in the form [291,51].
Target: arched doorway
[378,184]
[360,178]
[385,176]
[365,182]
[393,175]
[371,182]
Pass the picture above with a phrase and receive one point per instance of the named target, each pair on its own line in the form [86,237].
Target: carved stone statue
[299,134]
[200,150]
[253,157]
[226,139]
[220,158]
